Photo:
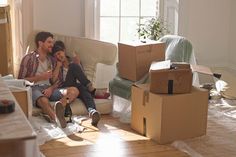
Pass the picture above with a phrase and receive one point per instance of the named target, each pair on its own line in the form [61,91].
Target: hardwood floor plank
[111,138]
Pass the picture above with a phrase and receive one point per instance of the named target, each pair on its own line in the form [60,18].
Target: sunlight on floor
[105,139]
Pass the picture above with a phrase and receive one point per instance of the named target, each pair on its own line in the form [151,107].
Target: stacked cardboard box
[169,117]
[172,78]
[162,117]
[136,57]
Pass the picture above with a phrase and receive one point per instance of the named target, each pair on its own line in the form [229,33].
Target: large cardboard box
[24,98]
[135,58]
[175,80]
[166,118]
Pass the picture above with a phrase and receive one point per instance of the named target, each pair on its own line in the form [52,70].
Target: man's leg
[62,96]
[44,104]
[88,100]
[69,95]
[39,100]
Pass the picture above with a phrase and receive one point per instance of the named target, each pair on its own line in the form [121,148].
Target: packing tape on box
[170,86]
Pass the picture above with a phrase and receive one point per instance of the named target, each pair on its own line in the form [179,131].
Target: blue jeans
[37,93]
[75,74]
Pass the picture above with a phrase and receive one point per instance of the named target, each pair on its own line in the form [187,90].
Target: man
[37,67]
[70,73]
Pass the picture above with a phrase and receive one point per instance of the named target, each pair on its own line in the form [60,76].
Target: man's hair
[42,36]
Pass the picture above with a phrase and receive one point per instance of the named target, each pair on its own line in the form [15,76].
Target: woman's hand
[76,58]
[48,92]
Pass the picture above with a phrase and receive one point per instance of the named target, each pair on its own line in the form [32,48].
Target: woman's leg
[75,73]
[88,100]
[86,97]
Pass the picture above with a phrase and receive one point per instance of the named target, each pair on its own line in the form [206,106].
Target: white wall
[209,24]
[232,52]
[60,16]
[206,24]
[67,17]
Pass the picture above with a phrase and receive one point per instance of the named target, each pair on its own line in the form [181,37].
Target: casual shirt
[30,63]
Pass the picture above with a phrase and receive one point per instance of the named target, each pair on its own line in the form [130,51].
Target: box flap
[201,69]
[136,43]
[160,65]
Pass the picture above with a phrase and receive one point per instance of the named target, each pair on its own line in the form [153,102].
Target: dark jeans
[86,97]
[75,74]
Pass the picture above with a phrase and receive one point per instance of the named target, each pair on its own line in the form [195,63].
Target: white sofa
[91,52]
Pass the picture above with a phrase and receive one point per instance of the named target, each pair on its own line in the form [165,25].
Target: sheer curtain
[22,25]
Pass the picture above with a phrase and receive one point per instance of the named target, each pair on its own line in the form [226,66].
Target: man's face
[47,45]
[60,56]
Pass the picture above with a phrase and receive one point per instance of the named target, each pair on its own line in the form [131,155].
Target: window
[119,19]
[2,2]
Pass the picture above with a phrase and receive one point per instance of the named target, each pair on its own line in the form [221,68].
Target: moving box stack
[135,58]
[168,108]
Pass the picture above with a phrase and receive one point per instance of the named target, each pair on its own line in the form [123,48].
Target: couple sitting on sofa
[56,78]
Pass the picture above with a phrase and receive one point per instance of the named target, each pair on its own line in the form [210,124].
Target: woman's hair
[58,46]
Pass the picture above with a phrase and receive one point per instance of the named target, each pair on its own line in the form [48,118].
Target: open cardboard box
[170,78]
[174,78]
[24,98]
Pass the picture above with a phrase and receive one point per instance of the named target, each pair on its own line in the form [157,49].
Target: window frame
[98,17]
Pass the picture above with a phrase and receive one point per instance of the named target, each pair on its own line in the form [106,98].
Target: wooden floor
[111,139]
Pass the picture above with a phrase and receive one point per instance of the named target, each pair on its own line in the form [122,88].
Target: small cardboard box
[24,98]
[175,80]
[135,58]
[166,118]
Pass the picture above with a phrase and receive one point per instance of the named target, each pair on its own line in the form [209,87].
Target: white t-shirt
[65,70]
[43,67]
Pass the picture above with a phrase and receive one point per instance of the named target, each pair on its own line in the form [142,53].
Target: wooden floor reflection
[111,139]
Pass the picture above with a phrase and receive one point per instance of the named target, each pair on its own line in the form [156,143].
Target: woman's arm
[56,71]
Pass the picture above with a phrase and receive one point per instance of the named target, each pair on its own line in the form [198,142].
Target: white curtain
[22,25]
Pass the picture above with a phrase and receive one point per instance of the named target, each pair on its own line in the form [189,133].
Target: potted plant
[152,29]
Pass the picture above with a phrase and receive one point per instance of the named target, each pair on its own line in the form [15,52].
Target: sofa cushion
[104,106]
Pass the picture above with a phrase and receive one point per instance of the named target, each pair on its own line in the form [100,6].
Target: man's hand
[48,92]
[46,75]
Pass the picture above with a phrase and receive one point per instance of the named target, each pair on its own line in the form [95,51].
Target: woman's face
[60,55]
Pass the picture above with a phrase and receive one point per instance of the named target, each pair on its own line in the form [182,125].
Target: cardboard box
[24,98]
[166,118]
[135,58]
[175,80]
